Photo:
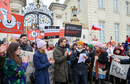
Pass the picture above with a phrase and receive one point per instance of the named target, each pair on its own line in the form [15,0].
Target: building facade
[112,15]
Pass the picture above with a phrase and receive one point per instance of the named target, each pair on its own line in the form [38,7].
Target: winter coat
[126,61]
[26,47]
[60,65]
[2,61]
[79,68]
[126,46]
[102,59]
[41,64]
[14,73]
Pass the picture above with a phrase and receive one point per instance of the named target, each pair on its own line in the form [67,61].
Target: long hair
[11,52]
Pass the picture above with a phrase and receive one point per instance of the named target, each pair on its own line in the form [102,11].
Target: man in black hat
[23,43]
[3,48]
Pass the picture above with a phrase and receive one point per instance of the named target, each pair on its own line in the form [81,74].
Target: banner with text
[119,70]
[32,35]
[51,32]
[72,30]
[14,26]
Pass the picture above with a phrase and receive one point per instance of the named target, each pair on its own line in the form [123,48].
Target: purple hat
[40,43]
[99,44]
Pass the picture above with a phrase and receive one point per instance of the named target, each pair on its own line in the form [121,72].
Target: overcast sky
[46,2]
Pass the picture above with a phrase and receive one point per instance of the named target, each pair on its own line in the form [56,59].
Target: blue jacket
[126,61]
[79,68]
[41,68]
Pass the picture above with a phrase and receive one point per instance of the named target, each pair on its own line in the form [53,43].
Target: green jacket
[61,65]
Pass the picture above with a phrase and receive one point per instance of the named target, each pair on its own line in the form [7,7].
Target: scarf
[98,52]
[23,46]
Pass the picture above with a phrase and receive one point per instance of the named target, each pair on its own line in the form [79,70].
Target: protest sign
[51,32]
[14,26]
[5,12]
[119,70]
[31,68]
[73,30]
[34,34]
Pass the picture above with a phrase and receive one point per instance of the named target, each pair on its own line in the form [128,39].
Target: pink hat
[40,43]
[99,44]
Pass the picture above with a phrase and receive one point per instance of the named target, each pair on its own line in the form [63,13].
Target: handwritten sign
[31,68]
[119,70]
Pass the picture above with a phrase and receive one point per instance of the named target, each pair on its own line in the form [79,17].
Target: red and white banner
[14,26]
[96,27]
[34,34]
[61,34]
[15,36]
[5,12]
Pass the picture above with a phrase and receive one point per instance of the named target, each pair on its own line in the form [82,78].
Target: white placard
[119,70]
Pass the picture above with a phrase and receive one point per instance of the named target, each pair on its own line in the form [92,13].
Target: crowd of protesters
[67,68]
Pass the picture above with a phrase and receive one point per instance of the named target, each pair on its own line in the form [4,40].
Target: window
[127,7]
[100,4]
[79,5]
[117,32]
[66,17]
[102,32]
[128,30]
[115,5]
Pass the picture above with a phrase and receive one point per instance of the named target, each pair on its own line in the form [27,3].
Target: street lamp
[74,11]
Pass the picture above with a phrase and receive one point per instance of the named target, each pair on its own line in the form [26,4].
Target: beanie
[40,43]
[99,44]
[80,42]
[114,42]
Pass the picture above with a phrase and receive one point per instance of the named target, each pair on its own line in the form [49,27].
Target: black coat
[2,61]
[126,61]
[102,59]
[79,68]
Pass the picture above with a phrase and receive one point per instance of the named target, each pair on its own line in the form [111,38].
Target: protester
[23,43]
[123,49]
[61,56]
[100,63]
[110,53]
[90,65]
[67,44]
[14,68]
[51,47]
[33,46]
[118,51]
[3,48]
[41,63]
[29,42]
[73,49]
[125,61]
[79,70]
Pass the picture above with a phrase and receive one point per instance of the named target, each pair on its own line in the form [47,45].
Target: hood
[118,48]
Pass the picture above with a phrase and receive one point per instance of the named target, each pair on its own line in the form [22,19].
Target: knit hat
[113,42]
[90,46]
[40,43]
[80,42]
[22,35]
[99,44]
